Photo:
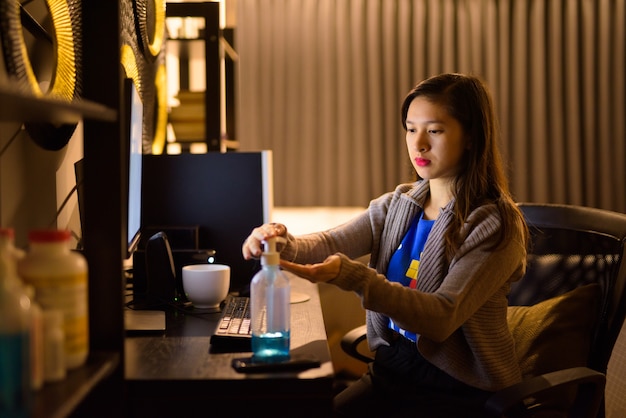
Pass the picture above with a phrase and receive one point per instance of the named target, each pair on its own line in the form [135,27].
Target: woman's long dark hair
[482,178]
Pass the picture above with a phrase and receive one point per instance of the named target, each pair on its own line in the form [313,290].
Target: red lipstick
[422,162]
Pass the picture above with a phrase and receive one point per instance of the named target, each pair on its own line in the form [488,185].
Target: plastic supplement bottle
[35,339]
[269,309]
[15,374]
[54,342]
[59,277]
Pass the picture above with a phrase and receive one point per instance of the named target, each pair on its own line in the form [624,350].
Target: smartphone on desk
[295,363]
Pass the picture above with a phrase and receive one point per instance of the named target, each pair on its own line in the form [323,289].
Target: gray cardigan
[458,311]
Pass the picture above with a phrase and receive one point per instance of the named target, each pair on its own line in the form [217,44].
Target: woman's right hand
[253,245]
[315,273]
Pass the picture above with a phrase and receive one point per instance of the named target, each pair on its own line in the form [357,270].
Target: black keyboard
[233,329]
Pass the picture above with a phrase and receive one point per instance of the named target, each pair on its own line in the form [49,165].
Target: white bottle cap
[270,256]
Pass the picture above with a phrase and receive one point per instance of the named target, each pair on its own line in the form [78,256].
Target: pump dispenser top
[270,256]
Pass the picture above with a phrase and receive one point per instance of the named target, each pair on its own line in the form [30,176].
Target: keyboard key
[233,333]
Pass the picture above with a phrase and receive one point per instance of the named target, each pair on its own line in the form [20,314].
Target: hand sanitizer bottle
[269,308]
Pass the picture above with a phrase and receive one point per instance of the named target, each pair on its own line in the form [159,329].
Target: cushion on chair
[556,333]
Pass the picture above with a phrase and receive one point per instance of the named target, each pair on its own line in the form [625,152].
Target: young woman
[443,253]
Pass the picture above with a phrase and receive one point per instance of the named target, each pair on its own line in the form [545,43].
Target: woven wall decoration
[143,59]
[63,39]
[150,22]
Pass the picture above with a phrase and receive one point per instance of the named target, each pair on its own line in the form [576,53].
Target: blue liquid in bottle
[271,347]
[15,397]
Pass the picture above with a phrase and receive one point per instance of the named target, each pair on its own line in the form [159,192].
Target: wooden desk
[174,374]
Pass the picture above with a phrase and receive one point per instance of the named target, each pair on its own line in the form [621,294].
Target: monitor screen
[223,195]
[134,129]
[131,168]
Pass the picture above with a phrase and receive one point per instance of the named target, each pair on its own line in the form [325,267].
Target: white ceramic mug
[206,285]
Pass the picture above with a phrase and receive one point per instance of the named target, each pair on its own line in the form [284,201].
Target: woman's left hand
[316,273]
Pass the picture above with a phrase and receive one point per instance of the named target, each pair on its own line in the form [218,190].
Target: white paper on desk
[147,321]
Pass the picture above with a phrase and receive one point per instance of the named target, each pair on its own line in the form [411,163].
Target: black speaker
[159,286]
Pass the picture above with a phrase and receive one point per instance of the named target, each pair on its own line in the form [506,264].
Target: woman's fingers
[253,245]
[320,272]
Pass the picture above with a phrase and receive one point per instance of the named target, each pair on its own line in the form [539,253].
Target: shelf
[212,114]
[16,105]
[59,400]
[185,39]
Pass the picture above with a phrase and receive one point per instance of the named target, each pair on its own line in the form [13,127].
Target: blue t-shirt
[405,261]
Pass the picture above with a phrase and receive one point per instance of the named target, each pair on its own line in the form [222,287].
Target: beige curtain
[321,83]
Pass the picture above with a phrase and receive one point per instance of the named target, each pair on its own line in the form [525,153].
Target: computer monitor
[223,195]
[133,127]
[131,166]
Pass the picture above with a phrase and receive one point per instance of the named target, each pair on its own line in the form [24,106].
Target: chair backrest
[573,246]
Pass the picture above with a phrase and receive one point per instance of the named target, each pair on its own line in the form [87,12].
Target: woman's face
[435,140]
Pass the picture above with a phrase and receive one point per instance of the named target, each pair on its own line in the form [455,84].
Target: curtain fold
[321,83]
